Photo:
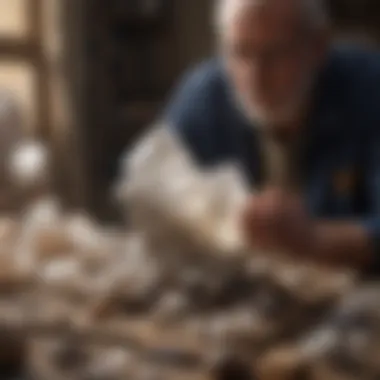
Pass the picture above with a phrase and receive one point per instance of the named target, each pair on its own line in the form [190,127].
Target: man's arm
[277,220]
[356,243]
[343,243]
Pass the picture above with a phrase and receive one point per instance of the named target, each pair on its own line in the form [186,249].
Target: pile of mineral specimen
[343,346]
[166,296]
[225,292]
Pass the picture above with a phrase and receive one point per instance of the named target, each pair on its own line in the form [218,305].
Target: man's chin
[275,116]
[266,117]
[262,115]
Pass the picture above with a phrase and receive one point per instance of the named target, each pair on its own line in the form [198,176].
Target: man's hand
[276,219]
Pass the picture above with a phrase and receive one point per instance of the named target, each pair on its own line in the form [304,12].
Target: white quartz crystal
[61,271]
[110,364]
[160,174]
[29,164]
[319,342]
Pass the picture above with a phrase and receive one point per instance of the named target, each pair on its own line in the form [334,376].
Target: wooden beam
[19,49]
[35,16]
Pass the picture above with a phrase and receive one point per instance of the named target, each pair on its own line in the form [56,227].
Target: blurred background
[88,76]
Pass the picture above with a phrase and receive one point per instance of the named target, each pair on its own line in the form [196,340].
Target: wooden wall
[129,78]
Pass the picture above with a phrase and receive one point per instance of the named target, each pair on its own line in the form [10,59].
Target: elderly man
[301,118]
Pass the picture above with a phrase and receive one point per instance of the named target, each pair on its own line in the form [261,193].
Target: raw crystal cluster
[161,181]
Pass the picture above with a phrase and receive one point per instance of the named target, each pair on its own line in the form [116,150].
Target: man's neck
[289,130]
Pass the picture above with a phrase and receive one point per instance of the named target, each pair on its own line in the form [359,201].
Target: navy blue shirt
[340,159]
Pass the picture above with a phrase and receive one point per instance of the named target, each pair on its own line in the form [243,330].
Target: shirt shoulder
[351,88]
[360,70]
[197,90]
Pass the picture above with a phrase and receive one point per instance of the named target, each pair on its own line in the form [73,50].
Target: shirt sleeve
[372,222]
[190,113]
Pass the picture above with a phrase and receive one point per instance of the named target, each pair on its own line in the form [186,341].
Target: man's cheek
[287,81]
[242,75]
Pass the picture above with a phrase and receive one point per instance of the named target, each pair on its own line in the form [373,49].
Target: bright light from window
[13,19]
[19,78]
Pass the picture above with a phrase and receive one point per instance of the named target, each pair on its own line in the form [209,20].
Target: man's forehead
[289,11]
[281,6]
[272,20]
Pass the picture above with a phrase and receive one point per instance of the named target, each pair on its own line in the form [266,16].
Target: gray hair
[314,11]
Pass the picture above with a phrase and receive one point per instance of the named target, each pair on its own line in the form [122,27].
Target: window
[18,77]
[22,60]
[14,21]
